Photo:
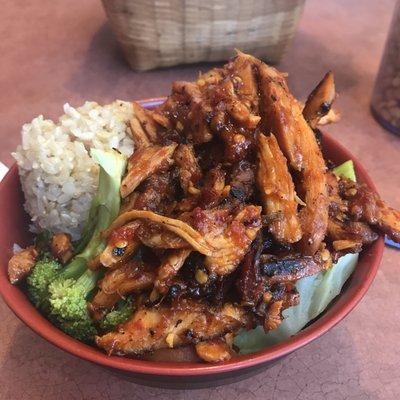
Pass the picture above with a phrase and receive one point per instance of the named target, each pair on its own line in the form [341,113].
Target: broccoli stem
[87,281]
[106,203]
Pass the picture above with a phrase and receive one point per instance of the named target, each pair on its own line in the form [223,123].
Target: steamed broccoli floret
[119,315]
[68,296]
[44,271]
[68,305]
[69,291]
[82,330]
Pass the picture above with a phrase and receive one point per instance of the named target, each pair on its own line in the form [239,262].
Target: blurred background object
[386,96]
[164,33]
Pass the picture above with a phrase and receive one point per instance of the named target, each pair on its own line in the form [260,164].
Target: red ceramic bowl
[179,375]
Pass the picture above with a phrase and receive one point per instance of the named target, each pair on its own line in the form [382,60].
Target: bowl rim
[327,321]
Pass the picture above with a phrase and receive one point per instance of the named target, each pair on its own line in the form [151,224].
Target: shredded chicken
[189,169]
[139,136]
[283,117]
[184,322]
[352,230]
[169,267]
[188,110]
[157,236]
[182,229]
[143,163]
[277,191]
[213,190]
[234,242]
[155,193]
[330,118]
[146,121]
[224,250]
[116,284]
[274,316]
[366,205]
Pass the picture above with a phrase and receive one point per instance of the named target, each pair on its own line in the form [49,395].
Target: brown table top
[55,52]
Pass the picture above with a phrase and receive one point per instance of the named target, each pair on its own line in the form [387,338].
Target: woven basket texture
[161,33]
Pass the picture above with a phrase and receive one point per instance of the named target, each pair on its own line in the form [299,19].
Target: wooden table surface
[54,52]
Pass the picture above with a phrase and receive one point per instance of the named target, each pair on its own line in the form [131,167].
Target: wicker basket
[161,33]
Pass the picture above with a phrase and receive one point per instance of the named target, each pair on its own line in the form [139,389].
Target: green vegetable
[45,270]
[62,293]
[119,315]
[42,240]
[316,292]
[346,170]
[69,292]
[82,330]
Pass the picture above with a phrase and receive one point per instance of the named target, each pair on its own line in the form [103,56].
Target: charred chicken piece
[145,162]
[229,232]
[170,265]
[186,321]
[245,83]
[189,111]
[128,278]
[138,135]
[273,316]
[215,350]
[121,245]
[21,263]
[357,232]
[234,242]
[283,117]
[154,235]
[155,193]
[189,170]
[320,100]
[277,191]
[213,190]
[277,298]
[250,284]
[237,91]
[147,123]
[290,268]
[242,181]
[366,205]
[61,247]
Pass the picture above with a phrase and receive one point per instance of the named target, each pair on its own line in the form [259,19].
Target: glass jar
[385,105]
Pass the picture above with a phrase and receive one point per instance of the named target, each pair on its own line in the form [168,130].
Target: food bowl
[172,374]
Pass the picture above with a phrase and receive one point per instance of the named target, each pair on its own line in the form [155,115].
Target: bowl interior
[15,230]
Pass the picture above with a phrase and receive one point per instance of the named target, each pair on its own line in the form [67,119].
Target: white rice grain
[58,177]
